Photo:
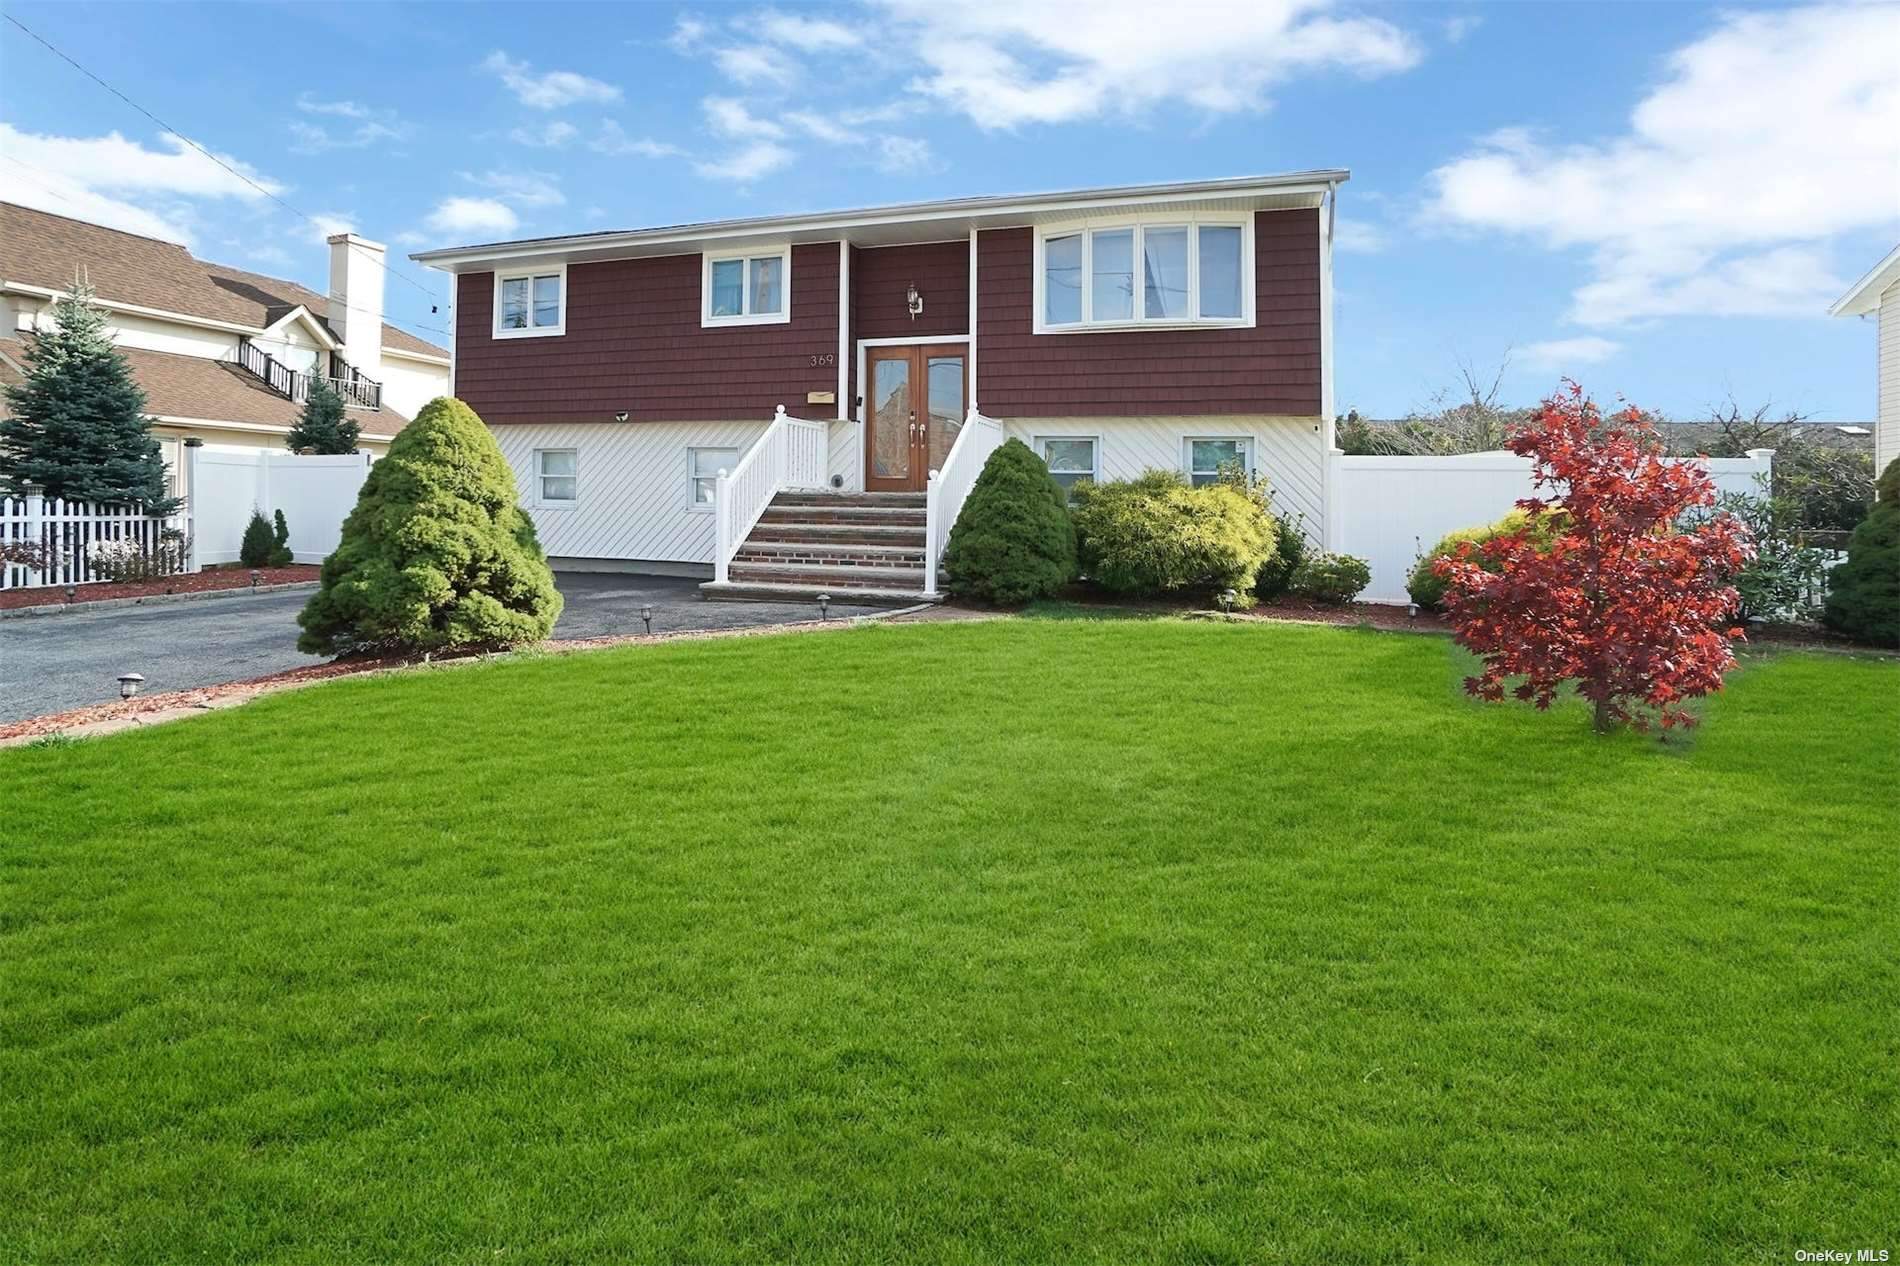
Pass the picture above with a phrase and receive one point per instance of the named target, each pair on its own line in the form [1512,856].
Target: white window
[703,466]
[556,476]
[754,288]
[531,304]
[1129,274]
[1205,458]
[1070,458]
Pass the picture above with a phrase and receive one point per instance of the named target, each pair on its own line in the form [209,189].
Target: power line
[57,52]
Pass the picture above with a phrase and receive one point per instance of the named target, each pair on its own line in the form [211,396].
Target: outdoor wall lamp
[646,614]
[129,684]
[914,301]
[621,416]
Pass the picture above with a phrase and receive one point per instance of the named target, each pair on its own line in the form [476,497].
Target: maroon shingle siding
[1270,368]
[880,277]
[634,342]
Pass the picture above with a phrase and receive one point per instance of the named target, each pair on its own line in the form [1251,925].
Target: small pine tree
[280,555]
[324,426]
[254,549]
[1013,540]
[1863,593]
[437,553]
[78,430]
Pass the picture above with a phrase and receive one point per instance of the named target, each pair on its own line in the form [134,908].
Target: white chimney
[356,300]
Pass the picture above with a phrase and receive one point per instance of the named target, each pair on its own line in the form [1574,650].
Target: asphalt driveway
[55,662]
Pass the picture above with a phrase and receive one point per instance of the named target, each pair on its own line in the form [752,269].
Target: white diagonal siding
[1887,418]
[1290,452]
[634,489]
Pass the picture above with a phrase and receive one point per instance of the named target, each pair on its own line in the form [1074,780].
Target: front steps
[862,548]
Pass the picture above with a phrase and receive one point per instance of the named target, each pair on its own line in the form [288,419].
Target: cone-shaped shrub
[255,548]
[436,553]
[1863,593]
[1013,540]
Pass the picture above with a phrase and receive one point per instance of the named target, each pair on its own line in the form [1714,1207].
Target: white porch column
[192,445]
[722,500]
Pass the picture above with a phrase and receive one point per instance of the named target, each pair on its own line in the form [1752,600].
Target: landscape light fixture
[646,614]
[1227,599]
[253,580]
[824,606]
[72,593]
[129,684]
[1411,610]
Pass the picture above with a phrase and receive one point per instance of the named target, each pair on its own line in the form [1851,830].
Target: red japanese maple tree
[1631,601]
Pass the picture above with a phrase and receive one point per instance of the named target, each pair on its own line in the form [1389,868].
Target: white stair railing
[950,486]
[791,454]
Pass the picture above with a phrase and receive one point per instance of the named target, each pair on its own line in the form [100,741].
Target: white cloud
[310,138]
[1006,62]
[1456,28]
[409,237]
[473,215]
[342,109]
[613,141]
[822,126]
[728,116]
[98,178]
[810,35]
[753,162]
[755,64]
[688,34]
[551,135]
[520,188]
[1769,136]
[327,224]
[548,91]
[269,256]
[1359,236]
[902,153]
[1564,353]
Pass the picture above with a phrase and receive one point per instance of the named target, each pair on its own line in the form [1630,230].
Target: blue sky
[1660,200]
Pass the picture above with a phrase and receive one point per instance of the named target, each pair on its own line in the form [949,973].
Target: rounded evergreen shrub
[1863,593]
[436,553]
[1013,540]
[1333,579]
[1428,590]
[1157,534]
[254,549]
[1289,551]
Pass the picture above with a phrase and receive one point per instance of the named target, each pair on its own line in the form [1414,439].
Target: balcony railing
[294,384]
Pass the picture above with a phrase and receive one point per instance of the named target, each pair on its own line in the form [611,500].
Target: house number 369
[825,358]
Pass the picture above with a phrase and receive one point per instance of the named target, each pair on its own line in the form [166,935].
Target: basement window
[704,465]
[1070,458]
[557,477]
[1207,458]
[531,304]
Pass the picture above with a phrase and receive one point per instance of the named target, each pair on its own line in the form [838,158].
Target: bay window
[1183,273]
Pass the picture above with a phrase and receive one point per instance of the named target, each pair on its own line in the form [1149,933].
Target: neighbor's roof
[1865,296]
[38,248]
[207,390]
[1292,189]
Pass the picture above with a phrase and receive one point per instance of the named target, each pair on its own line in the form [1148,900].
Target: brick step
[866,515]
[835,534]
[914,500]
[756,551]
[848,575]
[843,595]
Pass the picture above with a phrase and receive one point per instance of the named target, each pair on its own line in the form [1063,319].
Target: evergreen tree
[78,430]
[1863,593]
[324,426]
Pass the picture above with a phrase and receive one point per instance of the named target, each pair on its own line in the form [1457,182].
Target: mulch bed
[190,582]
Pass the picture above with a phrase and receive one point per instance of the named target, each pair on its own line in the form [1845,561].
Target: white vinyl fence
[62,534]
[226,484]
[1390,510]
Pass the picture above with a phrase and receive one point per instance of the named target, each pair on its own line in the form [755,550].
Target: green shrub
[254,550]
[1428,591]
[1157,534]
[436,553]
[1863,593]
[280,555]
[1334,579]
[1783,581]
[1013,540]
[1289,551]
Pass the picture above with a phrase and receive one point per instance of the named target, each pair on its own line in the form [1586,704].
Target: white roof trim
[1865,296]
[427,358]
[256,428]
[1315,184]
[304,314]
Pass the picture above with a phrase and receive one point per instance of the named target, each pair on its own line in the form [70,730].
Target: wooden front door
[913,409]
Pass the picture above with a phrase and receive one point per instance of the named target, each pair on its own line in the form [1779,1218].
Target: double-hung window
[1118,276]
[528,304]
[754,288]
[1070,458]
[703,467]
[1208,459]
[556,477]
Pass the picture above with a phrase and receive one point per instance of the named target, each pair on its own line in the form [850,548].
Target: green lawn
[1044,940]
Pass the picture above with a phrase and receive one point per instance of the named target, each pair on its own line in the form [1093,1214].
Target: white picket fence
[66,531]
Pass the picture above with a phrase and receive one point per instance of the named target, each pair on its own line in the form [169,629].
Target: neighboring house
[223,355]
[1878,295]
[1179,326]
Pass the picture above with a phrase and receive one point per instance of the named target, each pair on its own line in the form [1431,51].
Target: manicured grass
[1083,940]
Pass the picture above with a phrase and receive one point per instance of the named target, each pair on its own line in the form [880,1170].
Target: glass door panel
[891,418]
[944,393]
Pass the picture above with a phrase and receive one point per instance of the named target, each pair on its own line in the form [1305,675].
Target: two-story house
[1114,330]
[223,355]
